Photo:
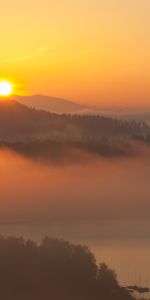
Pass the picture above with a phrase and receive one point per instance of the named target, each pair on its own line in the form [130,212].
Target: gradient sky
[95,51]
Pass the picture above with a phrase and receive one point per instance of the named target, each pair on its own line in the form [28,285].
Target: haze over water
[122,244]
[103,203]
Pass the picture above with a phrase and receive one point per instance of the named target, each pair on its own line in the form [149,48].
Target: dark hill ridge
[19,122]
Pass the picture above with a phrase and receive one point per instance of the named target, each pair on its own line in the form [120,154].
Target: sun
[5,88]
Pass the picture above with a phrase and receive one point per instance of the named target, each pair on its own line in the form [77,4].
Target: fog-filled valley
[102,202]
[75,150]
[84,179]
[90,186]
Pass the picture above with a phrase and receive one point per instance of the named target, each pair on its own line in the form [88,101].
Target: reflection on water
[123,245]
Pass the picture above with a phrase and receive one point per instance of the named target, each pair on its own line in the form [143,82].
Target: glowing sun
[5,88]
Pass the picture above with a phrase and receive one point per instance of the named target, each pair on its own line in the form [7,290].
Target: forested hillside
[18,122]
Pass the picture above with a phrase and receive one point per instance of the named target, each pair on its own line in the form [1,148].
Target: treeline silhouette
[54,269]
[19,122]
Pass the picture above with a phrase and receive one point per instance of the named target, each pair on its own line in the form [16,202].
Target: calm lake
[123,244]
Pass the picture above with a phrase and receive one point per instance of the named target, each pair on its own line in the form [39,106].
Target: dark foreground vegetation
[55,270]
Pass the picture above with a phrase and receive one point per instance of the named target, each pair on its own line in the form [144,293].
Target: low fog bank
[85,188]
[67,153]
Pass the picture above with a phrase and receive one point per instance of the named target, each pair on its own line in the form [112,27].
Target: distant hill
[19,122]
[126,113]
[50,104]
[60,106]
[137,116]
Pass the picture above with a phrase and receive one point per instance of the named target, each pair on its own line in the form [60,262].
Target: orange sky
[94,51]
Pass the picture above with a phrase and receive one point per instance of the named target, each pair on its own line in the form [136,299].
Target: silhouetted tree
[54,269]
[107,277]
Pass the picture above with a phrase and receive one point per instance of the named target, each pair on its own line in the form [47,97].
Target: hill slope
[50,104]
[19,122]
[58,105]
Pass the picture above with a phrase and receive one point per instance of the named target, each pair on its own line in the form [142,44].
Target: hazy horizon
[75,150]
[95,53]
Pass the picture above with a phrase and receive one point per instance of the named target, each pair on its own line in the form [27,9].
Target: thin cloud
[42,50]
[39,53]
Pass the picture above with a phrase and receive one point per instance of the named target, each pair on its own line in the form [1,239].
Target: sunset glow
[75,150]
[5,88]
[86,51]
